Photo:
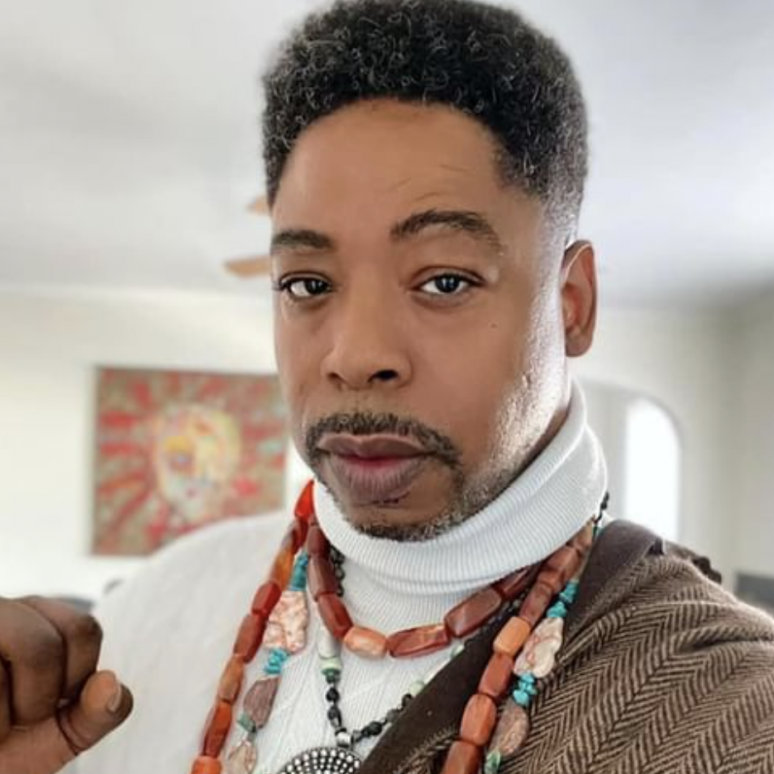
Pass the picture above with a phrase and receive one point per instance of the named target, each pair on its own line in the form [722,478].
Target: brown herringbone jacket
[662,672]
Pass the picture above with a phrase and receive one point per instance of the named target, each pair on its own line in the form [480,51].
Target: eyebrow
[300,239]
[464,221]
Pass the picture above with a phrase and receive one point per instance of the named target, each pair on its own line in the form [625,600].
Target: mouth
[375,469]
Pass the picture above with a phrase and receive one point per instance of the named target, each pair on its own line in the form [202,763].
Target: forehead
[383,154]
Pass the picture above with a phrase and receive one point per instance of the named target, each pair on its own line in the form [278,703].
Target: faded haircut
[483,60]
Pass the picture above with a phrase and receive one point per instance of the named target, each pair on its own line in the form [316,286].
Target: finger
[39,749]
[47,747]
[5,703]
[103,705]
[82,638]
[33,651]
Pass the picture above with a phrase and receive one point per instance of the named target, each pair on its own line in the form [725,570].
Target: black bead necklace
[344,738]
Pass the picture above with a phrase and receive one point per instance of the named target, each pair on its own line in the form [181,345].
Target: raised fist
[53,702]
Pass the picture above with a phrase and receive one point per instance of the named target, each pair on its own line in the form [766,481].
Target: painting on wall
[176,451]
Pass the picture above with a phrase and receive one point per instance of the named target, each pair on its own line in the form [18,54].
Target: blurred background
[129,175]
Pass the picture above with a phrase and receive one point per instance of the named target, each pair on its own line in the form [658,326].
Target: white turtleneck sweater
[169,631]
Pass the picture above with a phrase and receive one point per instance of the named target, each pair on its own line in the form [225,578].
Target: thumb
[102,706]
[48,746]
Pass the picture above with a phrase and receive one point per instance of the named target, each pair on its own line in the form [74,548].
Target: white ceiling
[129,141]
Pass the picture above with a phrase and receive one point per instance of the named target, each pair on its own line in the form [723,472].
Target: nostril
[384,375]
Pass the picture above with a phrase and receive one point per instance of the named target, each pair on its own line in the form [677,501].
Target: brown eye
[304,287]
[447,285]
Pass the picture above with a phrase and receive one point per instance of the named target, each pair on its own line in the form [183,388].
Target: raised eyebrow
[300,239]
[466,221]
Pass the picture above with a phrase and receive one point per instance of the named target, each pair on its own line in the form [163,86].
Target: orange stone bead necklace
[277,621]
[526,646]
[460,622]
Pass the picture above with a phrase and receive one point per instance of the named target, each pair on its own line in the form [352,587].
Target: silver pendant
[323,760]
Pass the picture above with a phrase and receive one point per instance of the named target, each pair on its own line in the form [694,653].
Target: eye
[447,285]
[303,287]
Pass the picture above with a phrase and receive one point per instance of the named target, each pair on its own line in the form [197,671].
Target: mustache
[430,440]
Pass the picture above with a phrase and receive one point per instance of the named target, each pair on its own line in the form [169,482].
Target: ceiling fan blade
[259,206]
[246,268]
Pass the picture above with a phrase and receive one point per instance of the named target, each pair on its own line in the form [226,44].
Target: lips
[373,469]
[371,447]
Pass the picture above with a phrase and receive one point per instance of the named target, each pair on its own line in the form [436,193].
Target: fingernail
[115,700]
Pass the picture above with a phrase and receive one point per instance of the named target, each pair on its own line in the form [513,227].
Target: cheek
[294,363]
[294,347]
[545,359]
[531,398]
[478,378]
[502,395]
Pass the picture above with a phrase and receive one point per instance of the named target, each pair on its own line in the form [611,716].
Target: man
[425,164]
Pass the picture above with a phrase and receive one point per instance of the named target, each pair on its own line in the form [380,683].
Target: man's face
[419,329]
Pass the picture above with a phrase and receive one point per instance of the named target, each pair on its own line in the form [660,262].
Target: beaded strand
[461,621]
[331,666]
[526,647]
[288,575]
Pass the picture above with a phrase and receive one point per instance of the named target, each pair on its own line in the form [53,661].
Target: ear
[579,297]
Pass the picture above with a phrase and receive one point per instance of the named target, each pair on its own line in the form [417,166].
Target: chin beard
[466,503]
[467,499]
[410,533]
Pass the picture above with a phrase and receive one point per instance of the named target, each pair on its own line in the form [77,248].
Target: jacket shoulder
[662,670]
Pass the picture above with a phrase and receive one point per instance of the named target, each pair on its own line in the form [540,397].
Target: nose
[370,345]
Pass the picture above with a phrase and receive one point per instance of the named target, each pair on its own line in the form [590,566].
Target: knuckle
[84,631]
[43,652]
[32,598]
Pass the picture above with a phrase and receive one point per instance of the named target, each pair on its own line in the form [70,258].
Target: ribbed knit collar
[542,509]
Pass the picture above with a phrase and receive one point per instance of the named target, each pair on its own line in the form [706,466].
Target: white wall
[51,342]
[678,360]
[50,345]
[749,440]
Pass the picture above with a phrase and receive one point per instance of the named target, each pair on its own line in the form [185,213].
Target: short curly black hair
[484,60]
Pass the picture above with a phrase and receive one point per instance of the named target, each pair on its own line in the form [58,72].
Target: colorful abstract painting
[176,451]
